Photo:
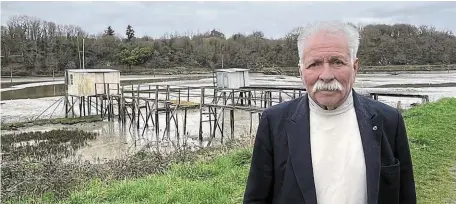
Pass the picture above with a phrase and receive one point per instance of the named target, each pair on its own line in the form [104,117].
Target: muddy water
[9,84]
[117,140]
[57,88]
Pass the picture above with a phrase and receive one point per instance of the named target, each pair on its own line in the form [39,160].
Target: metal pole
[83,54]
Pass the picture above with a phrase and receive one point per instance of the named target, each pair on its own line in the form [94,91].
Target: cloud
[414,9]
[273,18]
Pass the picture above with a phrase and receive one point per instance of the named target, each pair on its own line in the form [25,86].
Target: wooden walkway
[143,106]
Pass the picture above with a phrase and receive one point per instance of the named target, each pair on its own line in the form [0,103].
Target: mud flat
[25,109]
[116,140]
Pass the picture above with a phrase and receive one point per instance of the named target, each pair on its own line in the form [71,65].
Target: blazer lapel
[370,127]
[298,133]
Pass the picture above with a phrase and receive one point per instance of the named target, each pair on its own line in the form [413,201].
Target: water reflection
[34,92]
[43,91]
[9,84]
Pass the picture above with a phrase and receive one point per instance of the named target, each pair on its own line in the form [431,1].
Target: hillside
[31,46]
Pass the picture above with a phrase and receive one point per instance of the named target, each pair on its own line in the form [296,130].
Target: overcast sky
[275,19]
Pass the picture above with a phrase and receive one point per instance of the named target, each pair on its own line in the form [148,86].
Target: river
[30,97]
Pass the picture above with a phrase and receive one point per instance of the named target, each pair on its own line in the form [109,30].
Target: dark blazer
[281,166]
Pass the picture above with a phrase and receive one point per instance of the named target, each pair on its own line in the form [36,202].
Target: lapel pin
[374,128]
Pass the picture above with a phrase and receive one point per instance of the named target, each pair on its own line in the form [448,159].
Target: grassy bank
[30,175]
[432,132]
[215,181]
[218,175]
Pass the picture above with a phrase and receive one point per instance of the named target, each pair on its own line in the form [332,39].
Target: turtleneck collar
[347,105]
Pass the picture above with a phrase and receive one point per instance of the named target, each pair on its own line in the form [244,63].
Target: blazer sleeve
[260,178]
[407,194]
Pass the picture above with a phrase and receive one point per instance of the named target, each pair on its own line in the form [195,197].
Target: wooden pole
[200,136]
[66,95]
[214,131]
[133,102]
[232,114]
[270,98]
[185,112]
[119,108]
[80,105]
[137,107]
[84,105]
[223,116]
[123,109]
[96,100]
[72,106]
[89,104]
[157,125]
[177,118]
[167,109]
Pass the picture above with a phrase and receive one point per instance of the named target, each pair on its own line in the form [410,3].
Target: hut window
[71,79]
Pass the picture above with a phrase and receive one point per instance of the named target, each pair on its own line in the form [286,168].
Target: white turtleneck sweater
[337,154]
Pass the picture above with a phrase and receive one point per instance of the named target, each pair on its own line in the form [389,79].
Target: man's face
[326,68]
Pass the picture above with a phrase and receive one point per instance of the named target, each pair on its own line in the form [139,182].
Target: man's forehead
[322,36]
[322,52]
[325,45]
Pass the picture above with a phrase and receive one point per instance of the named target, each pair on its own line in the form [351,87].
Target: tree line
[36,46]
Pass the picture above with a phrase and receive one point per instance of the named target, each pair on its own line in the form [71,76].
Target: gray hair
[350,32]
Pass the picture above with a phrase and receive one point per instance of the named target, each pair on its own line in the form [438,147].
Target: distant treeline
[35,46]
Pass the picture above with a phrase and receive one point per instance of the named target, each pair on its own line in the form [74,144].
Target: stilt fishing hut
[232,78]
[84,85]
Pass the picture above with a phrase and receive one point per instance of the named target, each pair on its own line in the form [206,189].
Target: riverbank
[217,174]
[431,129]
[393,69]
[291,71]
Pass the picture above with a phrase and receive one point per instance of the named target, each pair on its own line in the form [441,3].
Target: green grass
[212,181]
[431,129]
[432,132]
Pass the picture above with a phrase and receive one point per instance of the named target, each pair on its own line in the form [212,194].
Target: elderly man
[331,146]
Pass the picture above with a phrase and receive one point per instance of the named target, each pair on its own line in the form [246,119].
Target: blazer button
[374,128]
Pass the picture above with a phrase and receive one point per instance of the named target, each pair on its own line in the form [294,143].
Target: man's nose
[326,74]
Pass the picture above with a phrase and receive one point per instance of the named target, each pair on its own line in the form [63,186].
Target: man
[331,145]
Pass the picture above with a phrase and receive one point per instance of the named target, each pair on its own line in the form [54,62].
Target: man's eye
[311,65]
[338,62]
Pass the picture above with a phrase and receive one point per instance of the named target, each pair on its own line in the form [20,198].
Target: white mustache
[334,85]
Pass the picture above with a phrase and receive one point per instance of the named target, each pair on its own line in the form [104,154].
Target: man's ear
[356,66]
[300,72]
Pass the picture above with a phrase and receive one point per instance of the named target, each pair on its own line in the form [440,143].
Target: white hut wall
[235,80]
[72,84]
[111,78]
[86,83]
